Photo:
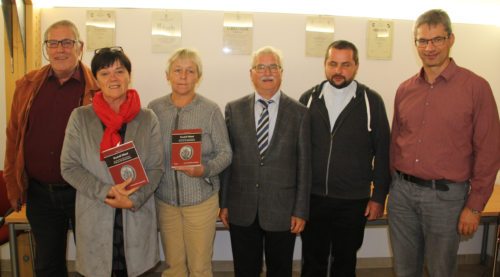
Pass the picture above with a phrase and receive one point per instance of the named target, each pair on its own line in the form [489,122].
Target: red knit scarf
[112,120]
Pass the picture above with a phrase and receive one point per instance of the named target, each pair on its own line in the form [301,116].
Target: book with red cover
[186,147]
[123,162]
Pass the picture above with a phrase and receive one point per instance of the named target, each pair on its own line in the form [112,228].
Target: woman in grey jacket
[187,197]
[117,231]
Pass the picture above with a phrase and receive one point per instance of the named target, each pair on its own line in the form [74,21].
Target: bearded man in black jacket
[350,150]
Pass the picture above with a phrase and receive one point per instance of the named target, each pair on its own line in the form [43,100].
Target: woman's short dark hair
[106,57]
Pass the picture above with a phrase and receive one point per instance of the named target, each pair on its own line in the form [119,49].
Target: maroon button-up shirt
[47,122]
[448,130]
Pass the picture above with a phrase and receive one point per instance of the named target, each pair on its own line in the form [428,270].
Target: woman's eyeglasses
[108,49]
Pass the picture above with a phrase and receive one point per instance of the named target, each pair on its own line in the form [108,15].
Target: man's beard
[342,85]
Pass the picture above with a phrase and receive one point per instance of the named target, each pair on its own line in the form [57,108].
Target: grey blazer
[278,186]
[82,168]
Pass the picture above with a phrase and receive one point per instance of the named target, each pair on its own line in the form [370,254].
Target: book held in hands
[123,162]
[186,147]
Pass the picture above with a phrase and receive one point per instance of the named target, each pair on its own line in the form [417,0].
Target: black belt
[441,184]
[51,186]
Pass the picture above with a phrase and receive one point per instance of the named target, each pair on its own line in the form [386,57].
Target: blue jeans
[49,212]
[423,226]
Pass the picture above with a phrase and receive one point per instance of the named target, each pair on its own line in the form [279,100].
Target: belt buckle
[404,176]
[440,187]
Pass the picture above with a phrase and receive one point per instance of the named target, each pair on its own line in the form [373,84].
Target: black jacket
[348,159]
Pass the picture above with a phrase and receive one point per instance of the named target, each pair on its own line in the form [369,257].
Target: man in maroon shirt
[445,154]
[43,101]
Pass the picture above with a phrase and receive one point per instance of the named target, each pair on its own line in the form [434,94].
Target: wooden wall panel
[18,65]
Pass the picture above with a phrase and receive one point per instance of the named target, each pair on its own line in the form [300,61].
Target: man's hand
[297,225]
[468,222]
[224,216]
[374,210]
[191,171]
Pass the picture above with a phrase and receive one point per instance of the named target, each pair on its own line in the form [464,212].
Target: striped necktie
[263,128]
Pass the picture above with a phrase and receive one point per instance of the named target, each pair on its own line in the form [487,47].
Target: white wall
[227,77]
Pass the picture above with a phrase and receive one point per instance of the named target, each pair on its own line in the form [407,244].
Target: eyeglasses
[65,43]
[436,41]
[108,49]
[261,68]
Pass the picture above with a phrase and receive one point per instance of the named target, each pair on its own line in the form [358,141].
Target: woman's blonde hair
[186,53]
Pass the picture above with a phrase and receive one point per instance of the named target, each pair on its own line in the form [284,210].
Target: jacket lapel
[97,128]
[281,122]
[132,128]
[248,115]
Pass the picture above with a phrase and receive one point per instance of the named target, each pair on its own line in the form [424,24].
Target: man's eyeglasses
[108,49]
[261,68]
[65,43]
[436,41]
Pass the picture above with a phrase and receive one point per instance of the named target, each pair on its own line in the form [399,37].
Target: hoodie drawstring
[368,113]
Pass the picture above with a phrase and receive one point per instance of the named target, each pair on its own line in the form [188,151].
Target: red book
[186,147]
[123,163]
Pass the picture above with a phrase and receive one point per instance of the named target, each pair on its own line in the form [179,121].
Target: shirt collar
[189,106]
[446,74]
[275,98]
[77,74]
[350,90]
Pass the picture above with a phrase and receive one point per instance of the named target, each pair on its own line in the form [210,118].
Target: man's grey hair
[267,50]
[433,18]
[62,23]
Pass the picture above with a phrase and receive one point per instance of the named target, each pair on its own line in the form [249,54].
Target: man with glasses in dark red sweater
[43,101]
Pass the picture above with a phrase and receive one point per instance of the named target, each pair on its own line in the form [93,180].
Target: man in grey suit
[265,195]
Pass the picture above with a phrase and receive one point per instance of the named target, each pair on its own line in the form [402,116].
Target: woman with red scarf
[117,231]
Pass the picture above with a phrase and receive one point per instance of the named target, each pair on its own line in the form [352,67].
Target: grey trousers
[423,227]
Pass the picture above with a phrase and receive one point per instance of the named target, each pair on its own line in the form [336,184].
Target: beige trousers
[187,235]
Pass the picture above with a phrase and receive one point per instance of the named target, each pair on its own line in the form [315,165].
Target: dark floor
[463,271]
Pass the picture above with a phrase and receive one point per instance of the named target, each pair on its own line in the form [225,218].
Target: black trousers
[336,227]
[250,242]
[50,211]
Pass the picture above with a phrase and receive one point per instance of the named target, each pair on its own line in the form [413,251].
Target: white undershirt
[337,99]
